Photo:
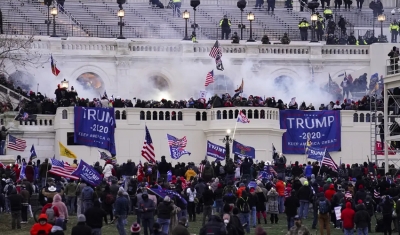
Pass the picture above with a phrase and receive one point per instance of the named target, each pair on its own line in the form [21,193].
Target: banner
[315,153]
[176,146]
[381,151]
[243,150]
[95,127]
[215,151]
[202,94]
[322,128]
[87,173]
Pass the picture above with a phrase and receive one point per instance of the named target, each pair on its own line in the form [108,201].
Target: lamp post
[314,19]
[64,84]
[121,14]
[250,17]
[241,4]
[186,15]
[381,18]
[54,12]
[47,22]
[194,4]
[227,140]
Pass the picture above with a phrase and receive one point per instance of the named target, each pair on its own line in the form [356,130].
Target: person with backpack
[87,196]
[324,209]
[208,172]
[50,211]
[108,200]
[273,205]
[214,226]
[62,209]
[244,210]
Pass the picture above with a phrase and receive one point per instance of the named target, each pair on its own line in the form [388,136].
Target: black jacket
[163,167]
[304,193]
[164,210]
[180,230]
[215,226]
[81,229]
[291,205]
[15,202]
[94,217]
[208,197]
[362,218]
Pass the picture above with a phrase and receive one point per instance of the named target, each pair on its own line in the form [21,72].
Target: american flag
[242,118]
[62,169]
[270,169]
[54,69]
[148,148]
[178,142]
[215,50]
[376,194]
[209,78]
[16,144]
[328,161]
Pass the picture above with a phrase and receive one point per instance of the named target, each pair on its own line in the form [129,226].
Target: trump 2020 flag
[94,127]
[176,147]
[215,151]
[87,173]
[33,153]
[315,153]
[242,150]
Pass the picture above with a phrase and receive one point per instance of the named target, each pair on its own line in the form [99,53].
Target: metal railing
[392,66]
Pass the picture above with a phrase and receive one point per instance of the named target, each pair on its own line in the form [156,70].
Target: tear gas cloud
[186,79]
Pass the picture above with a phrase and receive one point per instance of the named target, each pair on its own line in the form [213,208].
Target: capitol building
[175,69]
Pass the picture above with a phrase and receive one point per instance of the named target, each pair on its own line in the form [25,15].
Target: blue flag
[322,128]
[22,172]
[169,176]
[242,150]
[215,151]
[176,148]
[315,153]
[87,173]
[33,153]
[94,127]
[172,194]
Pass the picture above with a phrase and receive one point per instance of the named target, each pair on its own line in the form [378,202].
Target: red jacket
[330,192]
[280,188]
[46,228]
[29,173]
[347,216]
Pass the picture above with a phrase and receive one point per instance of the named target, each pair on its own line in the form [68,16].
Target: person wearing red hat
[347,217]
[362,219]
[135,229]
[360,194]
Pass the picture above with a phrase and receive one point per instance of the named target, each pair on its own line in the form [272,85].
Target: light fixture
[121,14]
[54,12]
[228,131]
[186,16]
[64,84]
[250,17]
[314,19]
[381,18]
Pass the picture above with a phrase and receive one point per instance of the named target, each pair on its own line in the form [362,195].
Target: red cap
[359,201]
[360,186]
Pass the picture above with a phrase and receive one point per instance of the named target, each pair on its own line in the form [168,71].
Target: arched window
[173,116]
[141,115]
[148,115]
[117,115]
[218,114]
[236,113]
[124,115]
[355,117]
[167,116]
[161,115]
[368,117]
[256,114]
[180,116]
[155,115]
[250,114]
[204,116]
[262,114]
[230,114]
[198,118]
[224,114]
[361,117]
[64,114]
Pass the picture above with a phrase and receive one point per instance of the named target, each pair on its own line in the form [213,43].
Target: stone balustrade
[142,47]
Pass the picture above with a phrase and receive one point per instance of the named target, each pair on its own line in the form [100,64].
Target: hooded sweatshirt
[362,218]
[330,192]
[348,216]
[62,209]
[38,227]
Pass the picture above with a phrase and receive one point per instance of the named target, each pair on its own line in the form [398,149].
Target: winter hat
[360,186]
[359,201]
[81,218]
[135,228]
[305,183]
[167,199]
[329,180]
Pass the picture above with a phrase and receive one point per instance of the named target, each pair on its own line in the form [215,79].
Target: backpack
[87,194]
[323,207]
[50,215]
[221,170]
[109,199]
[245,208]
[9,189]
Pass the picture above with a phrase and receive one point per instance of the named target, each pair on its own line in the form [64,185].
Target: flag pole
[233,136]
[321,162]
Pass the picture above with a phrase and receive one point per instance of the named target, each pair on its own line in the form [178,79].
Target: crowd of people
[229,198]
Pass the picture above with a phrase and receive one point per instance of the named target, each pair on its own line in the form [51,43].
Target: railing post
[97,31]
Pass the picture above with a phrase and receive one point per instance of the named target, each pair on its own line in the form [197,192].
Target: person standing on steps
[225,25]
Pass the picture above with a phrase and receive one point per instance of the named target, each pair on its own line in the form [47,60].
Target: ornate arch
[285,72]
[97,70]
[164,73]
